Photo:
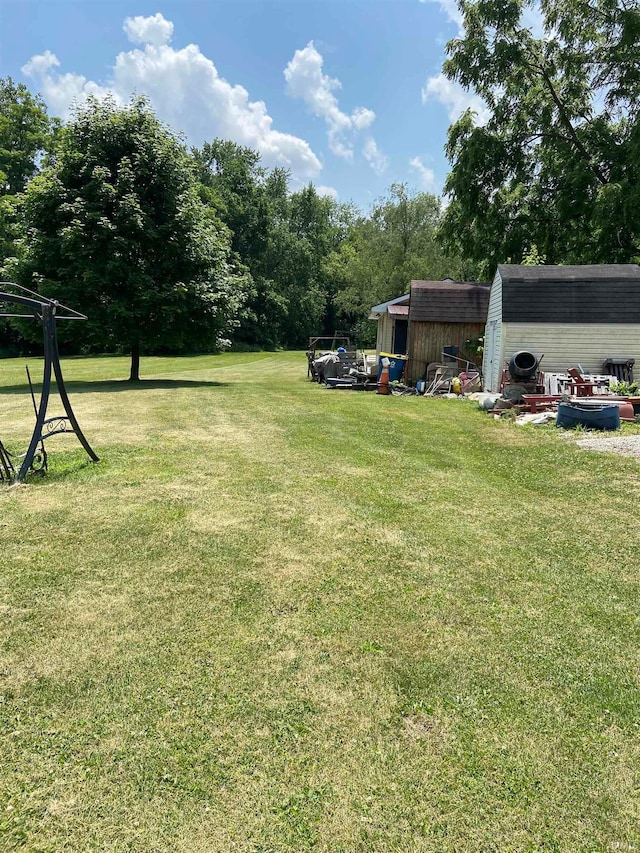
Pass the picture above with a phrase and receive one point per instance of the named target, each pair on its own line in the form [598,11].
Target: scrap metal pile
[343,369]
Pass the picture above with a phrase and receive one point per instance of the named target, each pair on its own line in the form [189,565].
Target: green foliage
[533,258]
[115,228]
[383,252]
[282,238]
[557,164]
[624,389]
[26,134]
[475,345]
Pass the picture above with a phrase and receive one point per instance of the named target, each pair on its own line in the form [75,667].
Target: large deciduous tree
[557,164]
[115,228]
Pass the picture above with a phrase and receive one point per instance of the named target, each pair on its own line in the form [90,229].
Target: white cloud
[187,93]
[374,156]
[40,64]
[454,98]
[61,90]
[427,175]
[329,191]
[362,117]
[154,30]
[451,10]
[306,80]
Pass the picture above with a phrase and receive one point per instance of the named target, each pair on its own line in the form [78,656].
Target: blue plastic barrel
[396,366]
[571,415]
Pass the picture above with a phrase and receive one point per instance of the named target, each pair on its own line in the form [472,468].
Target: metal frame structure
[45,311]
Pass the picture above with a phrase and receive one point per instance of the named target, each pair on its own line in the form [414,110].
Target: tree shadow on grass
[111,385]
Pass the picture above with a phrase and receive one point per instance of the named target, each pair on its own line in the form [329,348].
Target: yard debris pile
[349,369]
[571,399]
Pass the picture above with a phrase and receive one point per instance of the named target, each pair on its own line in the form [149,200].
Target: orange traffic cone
[383,382]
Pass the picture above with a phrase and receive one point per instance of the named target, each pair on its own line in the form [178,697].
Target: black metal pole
[33,396]
[47,320]
[62,391]
[35,410]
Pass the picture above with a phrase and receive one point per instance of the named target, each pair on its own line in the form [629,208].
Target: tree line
[170,249]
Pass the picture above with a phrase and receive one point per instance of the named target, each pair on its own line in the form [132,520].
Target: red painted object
[580,387]
[626,412]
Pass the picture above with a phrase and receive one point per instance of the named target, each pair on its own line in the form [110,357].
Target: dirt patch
[417,727]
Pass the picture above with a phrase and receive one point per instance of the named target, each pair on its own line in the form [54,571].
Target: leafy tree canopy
[282,238]
[557,165]
[383,252]
[26,132]
[115,228]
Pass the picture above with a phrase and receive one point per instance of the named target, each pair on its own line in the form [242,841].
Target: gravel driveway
[628,445]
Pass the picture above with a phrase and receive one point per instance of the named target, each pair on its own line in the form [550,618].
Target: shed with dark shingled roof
[593,293]
[579,315]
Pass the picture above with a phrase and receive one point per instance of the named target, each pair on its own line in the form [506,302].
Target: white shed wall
[384,340]
[493,339]
[568,345]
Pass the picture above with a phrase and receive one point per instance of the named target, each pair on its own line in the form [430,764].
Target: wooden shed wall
[427,340]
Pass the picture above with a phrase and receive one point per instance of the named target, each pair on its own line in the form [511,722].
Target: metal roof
[399,309]
[377,310]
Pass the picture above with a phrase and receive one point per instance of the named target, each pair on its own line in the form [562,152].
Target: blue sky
[346,93]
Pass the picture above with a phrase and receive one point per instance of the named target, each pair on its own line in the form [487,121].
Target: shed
[443,314]
[392,317]
[575,315]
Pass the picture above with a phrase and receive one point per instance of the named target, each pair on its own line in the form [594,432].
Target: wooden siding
[427,340]
[493,339]
[567,345]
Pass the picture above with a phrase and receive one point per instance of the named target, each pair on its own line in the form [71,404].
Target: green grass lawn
[279,618]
